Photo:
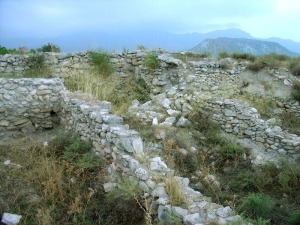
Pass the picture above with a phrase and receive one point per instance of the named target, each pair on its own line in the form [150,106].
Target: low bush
[3,50]
[141,47]
[244,56]
[190,56]
[223,55]
[294,218]
[258,205]
[124,203]
[151,61]
[294,66]
[101,63]
[296,91]
[257,65]
[290,122]
[49,48]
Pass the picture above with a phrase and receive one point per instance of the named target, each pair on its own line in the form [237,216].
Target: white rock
[157,165]
[224,212]
[142,174]
[192,219]
[7,162]
[155,122]
[166,103]
[10,219]
[172,112]
[182,122]
[137,145]
[109,186]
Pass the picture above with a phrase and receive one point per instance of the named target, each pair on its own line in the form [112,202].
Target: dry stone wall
[61,64]
[238,118]
[122,148]
[28,104]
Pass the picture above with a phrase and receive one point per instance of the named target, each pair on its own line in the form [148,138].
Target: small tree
[3,50]
[49,48]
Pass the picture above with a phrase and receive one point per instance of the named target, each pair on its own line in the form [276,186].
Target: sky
[52,18]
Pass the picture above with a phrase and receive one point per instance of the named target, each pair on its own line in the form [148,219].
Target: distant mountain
[243,45]
[129,39]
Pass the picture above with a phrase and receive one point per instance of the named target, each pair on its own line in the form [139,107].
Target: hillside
[243,45]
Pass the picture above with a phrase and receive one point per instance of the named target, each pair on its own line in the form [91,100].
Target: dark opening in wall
[55,119]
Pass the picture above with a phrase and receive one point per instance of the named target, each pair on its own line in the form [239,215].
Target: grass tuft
[151,61]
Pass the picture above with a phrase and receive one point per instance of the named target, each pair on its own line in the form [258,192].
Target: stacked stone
[210,77]
[28,104]
[13,63]
[240,119]
[120,146]
[63,64]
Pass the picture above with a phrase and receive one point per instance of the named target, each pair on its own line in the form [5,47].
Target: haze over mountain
[243,45]
[150,38]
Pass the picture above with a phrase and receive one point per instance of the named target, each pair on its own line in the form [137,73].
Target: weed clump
[223,55]
[258,205]
[49,48]
[294,66]
[175,192]
[101,63]
[151,61]
[296,91]
[190,56]
[243,56]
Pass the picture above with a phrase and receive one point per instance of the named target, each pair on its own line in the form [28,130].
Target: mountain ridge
[129,39]
[242,45]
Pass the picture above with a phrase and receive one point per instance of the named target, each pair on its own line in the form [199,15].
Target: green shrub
[36,61]
[294,66]
[123,203]
[294,218]
[231,151]
[223,55]
[257,65]
[76,149]
[296,90]
[258,205]
[101,62]
[3,50]
[244,181]
[197,56]
[278,57]
[190,56]
[151,61]
[89,160]
[186,163]
[49,48]
[244,56]
[141,47]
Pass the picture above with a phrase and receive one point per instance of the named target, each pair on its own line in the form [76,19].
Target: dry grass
[175,192]
[120,91]
[46,187]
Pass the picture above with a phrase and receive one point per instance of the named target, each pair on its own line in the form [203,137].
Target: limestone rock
[10,219]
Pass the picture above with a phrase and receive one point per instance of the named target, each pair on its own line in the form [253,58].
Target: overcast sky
[51,18]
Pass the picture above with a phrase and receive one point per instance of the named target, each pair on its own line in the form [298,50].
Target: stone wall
[28,104]
[123,149]
[61,64]
[239,119]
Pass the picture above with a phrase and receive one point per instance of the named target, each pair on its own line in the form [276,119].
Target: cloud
[56,17]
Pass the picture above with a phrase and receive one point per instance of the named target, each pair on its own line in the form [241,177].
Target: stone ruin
[28,105]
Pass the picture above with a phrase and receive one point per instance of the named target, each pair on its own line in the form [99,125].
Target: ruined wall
[28,104]
[238,118]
